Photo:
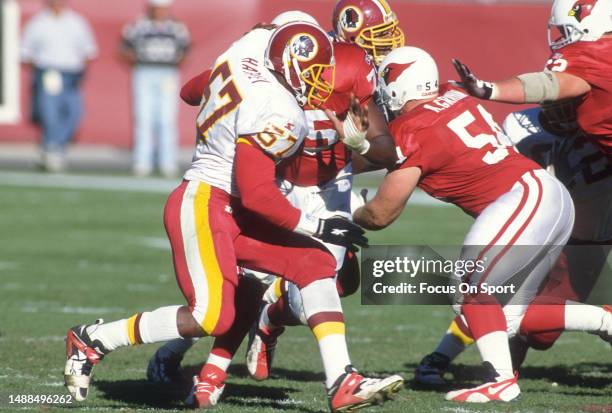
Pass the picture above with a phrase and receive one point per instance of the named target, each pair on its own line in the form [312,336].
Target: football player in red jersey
[453,150]
[319,179]
[580,68]
[548,136]
[365,31]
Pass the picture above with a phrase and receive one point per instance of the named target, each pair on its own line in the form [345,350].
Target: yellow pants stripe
[132,329]
[460,335]
[328,328]
[277,287]
[208,255]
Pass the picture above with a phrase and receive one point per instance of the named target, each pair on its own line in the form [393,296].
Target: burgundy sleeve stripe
[137,336]
[324,317]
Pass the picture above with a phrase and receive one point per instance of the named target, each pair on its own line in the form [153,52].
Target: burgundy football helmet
[301,52]
[371,24]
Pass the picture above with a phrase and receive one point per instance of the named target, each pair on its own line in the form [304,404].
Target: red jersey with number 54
[592,62]
[323,155]
[464,157]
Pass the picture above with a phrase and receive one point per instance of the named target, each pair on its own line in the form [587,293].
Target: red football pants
[209,240]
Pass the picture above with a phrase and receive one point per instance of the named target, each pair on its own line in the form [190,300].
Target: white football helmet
[407,73]
[294,16]
[578,20]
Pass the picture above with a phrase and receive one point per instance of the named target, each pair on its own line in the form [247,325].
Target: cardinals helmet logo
[351,19]
[303,47]
[582,9]
[394,70]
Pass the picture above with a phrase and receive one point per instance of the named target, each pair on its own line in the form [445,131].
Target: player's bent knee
[224,322]
[543,341]
[314,264]
[213,323]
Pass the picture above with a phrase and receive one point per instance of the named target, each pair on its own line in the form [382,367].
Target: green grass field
[69,256]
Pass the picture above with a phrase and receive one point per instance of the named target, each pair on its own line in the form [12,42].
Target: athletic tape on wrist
[353,137]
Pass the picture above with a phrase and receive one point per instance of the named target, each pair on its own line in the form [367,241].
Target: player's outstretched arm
[536,87]
[364,130]
[256,181]
[390,199]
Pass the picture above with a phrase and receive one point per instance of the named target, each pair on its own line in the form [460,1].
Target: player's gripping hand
[340,231]
[354,128]
[471,84]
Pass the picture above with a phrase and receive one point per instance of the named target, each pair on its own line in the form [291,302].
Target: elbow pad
[540,86]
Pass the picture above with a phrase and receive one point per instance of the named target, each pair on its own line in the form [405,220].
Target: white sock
[159,325]
[450,346]
[334,354]
[112,335]
[321,297]
[583,317]
[221,362]
[494,348]
[148,327]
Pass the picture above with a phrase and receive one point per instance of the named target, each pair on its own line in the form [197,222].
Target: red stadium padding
[496,41]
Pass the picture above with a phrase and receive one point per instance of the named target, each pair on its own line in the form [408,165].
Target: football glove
[473,85]
[340,231]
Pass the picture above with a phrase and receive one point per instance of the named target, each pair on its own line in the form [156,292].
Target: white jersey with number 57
[243,98]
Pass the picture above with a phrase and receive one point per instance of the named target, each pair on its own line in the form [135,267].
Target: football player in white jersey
[318,180]
[550,136]
[220,216]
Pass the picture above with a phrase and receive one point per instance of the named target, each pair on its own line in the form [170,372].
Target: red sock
[543,318]
[247,301]
[483,318]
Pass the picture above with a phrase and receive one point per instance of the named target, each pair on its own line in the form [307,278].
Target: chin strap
[289,64]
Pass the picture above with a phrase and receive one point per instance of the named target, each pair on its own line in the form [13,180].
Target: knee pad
[296,306]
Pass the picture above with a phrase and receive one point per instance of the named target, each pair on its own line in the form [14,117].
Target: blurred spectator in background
[57,43]
[155,44]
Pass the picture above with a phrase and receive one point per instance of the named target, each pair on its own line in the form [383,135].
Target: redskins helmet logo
[582,9]
[303,47]
[351,19]
[394,70]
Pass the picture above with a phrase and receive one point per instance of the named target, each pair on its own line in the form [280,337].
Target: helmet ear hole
[393,94]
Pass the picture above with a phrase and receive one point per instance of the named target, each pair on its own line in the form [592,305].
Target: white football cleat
[82,354]
[430,371]
[260,353]
[164,366]
[206,390]
[494,389]
[351,391]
